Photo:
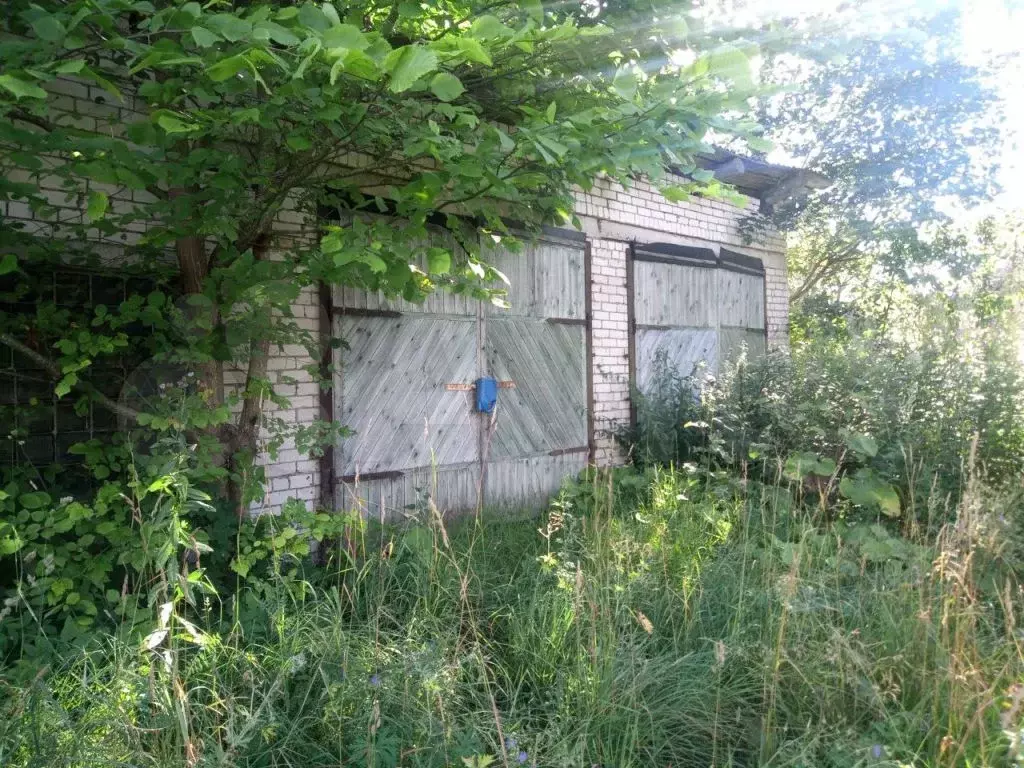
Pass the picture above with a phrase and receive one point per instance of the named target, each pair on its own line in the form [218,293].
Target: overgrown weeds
[675,617]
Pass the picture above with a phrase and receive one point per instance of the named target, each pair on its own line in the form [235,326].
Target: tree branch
[51,367]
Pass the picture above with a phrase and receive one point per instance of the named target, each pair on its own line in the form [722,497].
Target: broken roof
[768,182]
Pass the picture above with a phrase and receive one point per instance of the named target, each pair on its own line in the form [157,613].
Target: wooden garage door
[694,308]
[404,387]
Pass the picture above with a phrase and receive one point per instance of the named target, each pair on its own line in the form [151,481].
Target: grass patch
[674,618]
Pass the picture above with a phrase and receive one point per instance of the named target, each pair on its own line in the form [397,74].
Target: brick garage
[613,220]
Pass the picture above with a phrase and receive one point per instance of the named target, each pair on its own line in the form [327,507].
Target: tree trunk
[245,442]
[193,265]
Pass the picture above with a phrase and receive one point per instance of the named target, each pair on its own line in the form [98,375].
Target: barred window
[36,427]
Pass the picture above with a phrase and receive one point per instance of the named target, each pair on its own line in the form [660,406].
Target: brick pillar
[777,307]
[610,353]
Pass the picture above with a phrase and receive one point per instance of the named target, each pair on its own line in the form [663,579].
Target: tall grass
[674,618]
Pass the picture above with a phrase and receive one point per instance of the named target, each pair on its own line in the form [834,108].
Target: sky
[995,28]
[991,31]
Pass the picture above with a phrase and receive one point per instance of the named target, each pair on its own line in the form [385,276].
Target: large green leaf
[446,87]
[861,444]
[204,38]
[230,26]
[473,51]
[227,68]
[8,263]
[408,64]
[728,61]
[173,124]
[625,82]
[866,489]
[48,28]
[488,27]
[96,208]
[347,36]
[439,261]
[21,88]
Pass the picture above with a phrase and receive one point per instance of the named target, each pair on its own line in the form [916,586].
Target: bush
[919,412]
[673,617]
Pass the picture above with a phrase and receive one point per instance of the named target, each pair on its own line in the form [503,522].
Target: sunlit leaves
[408,64]
[22,89]
[174,124]
[446,86]
[626,82]
[227,68]
[731,63]
[346,36]
[97,205]
[866,489]
[203,37]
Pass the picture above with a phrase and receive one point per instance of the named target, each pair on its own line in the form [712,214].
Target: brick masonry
[612,218]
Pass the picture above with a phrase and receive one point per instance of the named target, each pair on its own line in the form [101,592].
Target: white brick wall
[610,342]
[612,217]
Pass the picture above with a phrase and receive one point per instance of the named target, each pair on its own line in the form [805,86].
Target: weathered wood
[741,300]
[690,351]
[675,295]
[405,388]
[733,339]
[695,314]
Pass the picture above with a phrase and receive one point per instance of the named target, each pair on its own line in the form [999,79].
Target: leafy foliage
[861,417]
[678,595]
[134,128]
[904,130]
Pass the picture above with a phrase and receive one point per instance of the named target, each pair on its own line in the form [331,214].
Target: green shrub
[673,617]
[927,412]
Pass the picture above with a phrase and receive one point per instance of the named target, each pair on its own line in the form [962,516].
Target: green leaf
[21,88]
[408,64]
[330,12]
[556,147]
[799,465]
[34,500]
[346,36]
[298,141]
[102,82]
[48,28]
[473,51]
[8,263]
[172,124]
[626,82]
[731,63]
[70,67]
[759,144]
[358,64]
[280,35]
[439,261]
[489,26]
[534,9]
[336,69]
[97,205]
[226,68]
[866,489]
[861,444]
[446,87]
[230,26]
[550,112]
[204,38]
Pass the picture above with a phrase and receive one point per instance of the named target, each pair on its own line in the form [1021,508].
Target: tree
[903,129]
[205,120]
